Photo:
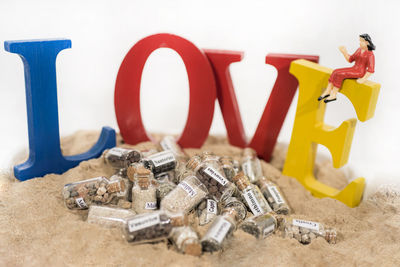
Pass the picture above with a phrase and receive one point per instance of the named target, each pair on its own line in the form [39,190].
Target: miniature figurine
[362,69]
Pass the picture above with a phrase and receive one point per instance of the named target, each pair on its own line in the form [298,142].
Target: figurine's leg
[327,92]
[333,93]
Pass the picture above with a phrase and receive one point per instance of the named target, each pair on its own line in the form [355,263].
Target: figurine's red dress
[365,61]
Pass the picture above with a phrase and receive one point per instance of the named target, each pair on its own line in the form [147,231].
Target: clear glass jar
[186,240]
[212,176]
[228,167]
[235,203]
[164,185]
[152,227]
[108,216]
[220,230]
[120,158]
[169,143]
[305,231]
[144,195]
[181,171]
[185,196]
[260,226]
[208,212]
[251,195]
[99,190]
[251,165]
[125,192]
[274,196]
[160,162]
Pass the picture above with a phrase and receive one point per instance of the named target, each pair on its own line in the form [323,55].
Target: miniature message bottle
[260,226]
[222,227]
[228,167]
[169,143]
[305,231]
[251,165]
[235,203]
[160,162]
[274,196]
[164,185]
[252,195]
[212,176]
[208,211]
[99,190]
[185,196]
[152,227]
[186,240]
[120,158]
[144,196]
[108,216]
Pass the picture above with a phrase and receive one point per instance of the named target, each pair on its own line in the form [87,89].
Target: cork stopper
[249,152]
[241,181]
[193,163]
[226,160]
[180,220]
[192,248]
[132,169]
[144,182]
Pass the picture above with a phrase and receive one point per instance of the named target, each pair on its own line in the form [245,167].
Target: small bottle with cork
[120,158]
[251,165]
[305,231]
[98,190]
[186,240]
[251,195]
[152,227]
[260,226]
[220,230]
[144,196]
[108,216]
[228,167]
[208,211]
[274,196]
[160,162]
[210,173]
[185,196]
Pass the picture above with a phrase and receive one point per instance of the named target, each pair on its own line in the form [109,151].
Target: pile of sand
[37,229]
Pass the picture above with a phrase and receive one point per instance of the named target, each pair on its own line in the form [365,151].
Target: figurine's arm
[344,52]
[370,69]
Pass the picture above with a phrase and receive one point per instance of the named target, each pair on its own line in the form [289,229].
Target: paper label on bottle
[117,151]
[150,205]
[268,230]
[219,230]
[306,224]
[211,206]
[190,190]
[162,158]
[252,202]
[81,203]
[142,222]
[273,190]
[216,175]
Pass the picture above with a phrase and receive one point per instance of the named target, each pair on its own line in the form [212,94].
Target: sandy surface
[37,229]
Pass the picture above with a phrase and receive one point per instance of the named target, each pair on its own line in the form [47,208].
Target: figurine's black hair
[367,38]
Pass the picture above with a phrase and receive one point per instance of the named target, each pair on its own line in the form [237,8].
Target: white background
[103,31]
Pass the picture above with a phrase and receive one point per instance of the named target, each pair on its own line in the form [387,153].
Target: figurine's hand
[361,80]
[343,49]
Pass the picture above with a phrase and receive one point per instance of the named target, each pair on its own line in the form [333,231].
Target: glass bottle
[164,185]
[240,208]
[131,170]
[251,165]
[228,167]
[120,158]
[152,227]
[108,216]
[160,162]
[220,230]
[144,196]
[99,190]
[169,143]
[252,196]
[208,212]
[305,231]
[274,196]
[185,196]
[260,226]
[186,240]
[212,176]
[122,192]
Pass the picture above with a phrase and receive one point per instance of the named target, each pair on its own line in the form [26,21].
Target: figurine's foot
[323,97]
[329,100]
